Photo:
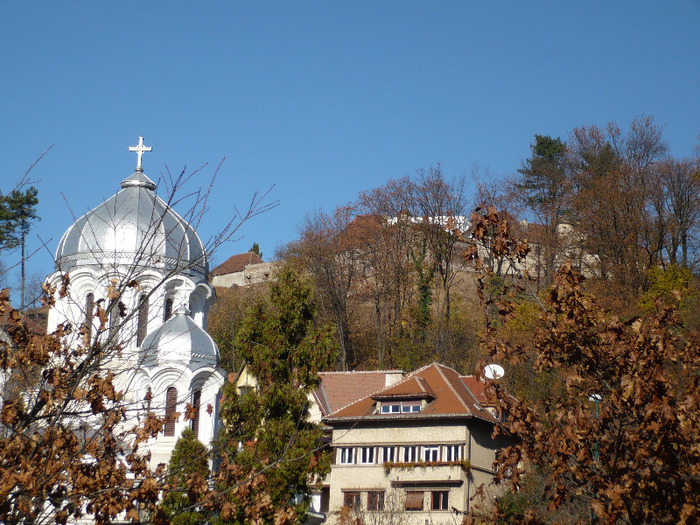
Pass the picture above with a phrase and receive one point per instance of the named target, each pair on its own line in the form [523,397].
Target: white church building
[136,250]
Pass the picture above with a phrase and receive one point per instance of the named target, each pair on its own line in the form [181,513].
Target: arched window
[143,320]
[168,309]
[170,409]
[196,398]
[89,313]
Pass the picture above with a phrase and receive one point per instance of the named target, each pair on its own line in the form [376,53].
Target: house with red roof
[415,449]
[406,448]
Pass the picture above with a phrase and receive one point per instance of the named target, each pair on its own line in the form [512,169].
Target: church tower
[139,261]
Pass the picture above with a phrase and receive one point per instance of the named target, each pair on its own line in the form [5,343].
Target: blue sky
[321,99]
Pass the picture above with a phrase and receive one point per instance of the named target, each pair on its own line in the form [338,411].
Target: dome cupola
[134,228]
[179,340]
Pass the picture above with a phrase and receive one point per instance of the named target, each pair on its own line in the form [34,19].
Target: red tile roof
[339,389]
[476,387]
[451,398]
[414,388]
[236,263]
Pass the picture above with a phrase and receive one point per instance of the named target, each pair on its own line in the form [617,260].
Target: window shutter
[414,501]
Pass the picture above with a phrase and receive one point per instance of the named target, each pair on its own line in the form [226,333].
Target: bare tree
[328,250]
[617,201]
[681,179]
[388,244]
[72,435]
[441,204]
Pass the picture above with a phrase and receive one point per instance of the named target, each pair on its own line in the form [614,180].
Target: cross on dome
[140,150]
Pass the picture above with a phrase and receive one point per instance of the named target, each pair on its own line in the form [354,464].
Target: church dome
[179,340]
[135,227]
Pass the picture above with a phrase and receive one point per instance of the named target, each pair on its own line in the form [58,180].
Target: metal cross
[140,150]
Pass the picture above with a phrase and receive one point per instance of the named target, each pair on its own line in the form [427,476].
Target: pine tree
[189,465]
[256,249]
[17,211]
[271,452]
[543,174]
[545,189]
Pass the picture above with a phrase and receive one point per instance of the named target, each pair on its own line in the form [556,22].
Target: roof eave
[383,418]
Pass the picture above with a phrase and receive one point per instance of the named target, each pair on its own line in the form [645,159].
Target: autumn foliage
[65,447]
[616,439]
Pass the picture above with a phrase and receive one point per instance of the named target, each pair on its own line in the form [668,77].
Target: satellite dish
[494,371]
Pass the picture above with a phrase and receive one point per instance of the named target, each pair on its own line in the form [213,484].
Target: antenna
[494,371]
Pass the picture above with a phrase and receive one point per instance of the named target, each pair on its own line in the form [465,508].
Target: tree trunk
[22,265]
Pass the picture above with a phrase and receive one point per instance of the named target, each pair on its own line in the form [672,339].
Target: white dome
[134,227]
[179,340]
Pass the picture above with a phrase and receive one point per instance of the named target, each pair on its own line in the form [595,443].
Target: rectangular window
[389,454]
[346,455]
[367,455]
[351,500]
[431,453]
[375,500]
[243,390]
[411,406]
[414,501]
[89,316]
[397,407]
[325,498]
[410,454]
[439,500]
[391,408]
[113,318]
[453,452]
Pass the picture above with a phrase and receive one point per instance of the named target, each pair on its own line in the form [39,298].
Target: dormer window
[397,407]
[411,406]
[391,408]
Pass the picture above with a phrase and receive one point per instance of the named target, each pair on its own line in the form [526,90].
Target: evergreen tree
[271,453]
[17,211]
[189,465]
[256,249]
[543,175]
[545,188]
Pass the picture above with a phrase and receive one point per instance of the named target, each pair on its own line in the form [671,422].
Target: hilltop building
[243,269]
